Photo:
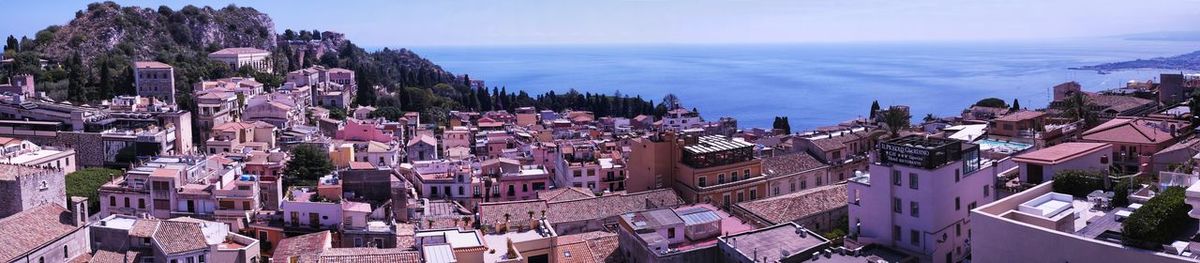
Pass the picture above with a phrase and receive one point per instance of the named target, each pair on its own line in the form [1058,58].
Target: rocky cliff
[144,32]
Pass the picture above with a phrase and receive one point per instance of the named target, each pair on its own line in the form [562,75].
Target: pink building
[523,183]
[1041,165]
[19,84]
[1039,225]
[362,130]
[917,196]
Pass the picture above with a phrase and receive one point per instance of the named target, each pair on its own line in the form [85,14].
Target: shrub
[86,182]
[1159,221]
[1078,183]
[1121,193]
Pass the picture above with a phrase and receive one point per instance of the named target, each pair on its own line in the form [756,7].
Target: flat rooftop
[775,242]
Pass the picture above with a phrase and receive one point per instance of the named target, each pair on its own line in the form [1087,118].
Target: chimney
[79,210]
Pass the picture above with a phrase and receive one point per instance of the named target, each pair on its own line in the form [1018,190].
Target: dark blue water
[814,84]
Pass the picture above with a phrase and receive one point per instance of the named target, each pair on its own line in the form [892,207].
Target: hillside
[145,33]
[1189,61]
[90,58]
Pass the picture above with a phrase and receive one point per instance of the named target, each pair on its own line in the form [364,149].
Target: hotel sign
[905,155]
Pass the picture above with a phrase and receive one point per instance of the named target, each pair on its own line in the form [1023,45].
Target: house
[574,215]
[120,238]
[684,234]
[789,173]
[22,152]
[239,57]
[47,233]
[1042,165]
[422,148]
[818,209]
[1135,140]
[22,84]
[1016,123]
[154,79]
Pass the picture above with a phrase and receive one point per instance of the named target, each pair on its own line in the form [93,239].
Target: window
[191,260]
[958,230]
[127,202]
[987,190]
[703,181]
[956,204]
[670,233]
[803,184]
[378,242]
[112,201]
[896,205]
[358,242]
[957,175]
[578,173]
[201,258]
[524,188]
[896,233]
[740,197]
[461,191]
[733,176]
[66,251]
[746,173]
[818,180]
[792,186]
[141,203]
[912,181]
[896,178]
[753,194]
[914,209]
[721,178]
[970,207]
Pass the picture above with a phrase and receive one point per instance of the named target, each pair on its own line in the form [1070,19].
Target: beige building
[238,57]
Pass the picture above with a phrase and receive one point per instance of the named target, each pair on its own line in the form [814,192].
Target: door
[1035,174]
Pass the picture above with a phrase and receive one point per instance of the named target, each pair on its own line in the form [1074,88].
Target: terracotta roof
[1192,144]
[790,207]
[565,194]
[370,255]
[105,256]
[143,228]
[1117,102]
[1021,116]
[238,50]
[179,237]
[1060,153]
[576,252]
[423,139]
[32,229]
[594,208]
[789,164]
[303,245]
[1133,131]
[604,248]
[151,64]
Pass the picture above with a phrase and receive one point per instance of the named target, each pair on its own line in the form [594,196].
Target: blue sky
[521,22]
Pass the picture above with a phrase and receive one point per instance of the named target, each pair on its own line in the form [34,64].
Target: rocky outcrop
[146,32]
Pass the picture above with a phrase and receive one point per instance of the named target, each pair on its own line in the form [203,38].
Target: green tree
[76,78]
[1079,108]
[305,35]
[992,102]
[874,109]
[1016,106]
[1159,221]
[1194,108]
[929,117]
[896,121]
[309,162]
[316,34]
[12,44]
[86,182]
[389,113]
[106,79]
[288,34]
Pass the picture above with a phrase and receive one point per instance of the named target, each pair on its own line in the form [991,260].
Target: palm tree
[929,117]
[1078,108]
[895,121]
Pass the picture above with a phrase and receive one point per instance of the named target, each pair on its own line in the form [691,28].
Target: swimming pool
[1007,147]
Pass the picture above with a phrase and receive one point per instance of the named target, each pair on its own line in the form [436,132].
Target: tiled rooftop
[794,206]
[32,228]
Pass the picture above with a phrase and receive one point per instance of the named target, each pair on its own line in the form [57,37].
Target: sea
[815,84]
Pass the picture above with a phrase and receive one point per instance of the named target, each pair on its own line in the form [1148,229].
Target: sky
[524,22]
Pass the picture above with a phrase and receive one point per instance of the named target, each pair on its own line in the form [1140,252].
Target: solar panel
[700,218]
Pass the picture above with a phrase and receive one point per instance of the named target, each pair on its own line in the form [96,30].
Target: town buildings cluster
[536,185]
